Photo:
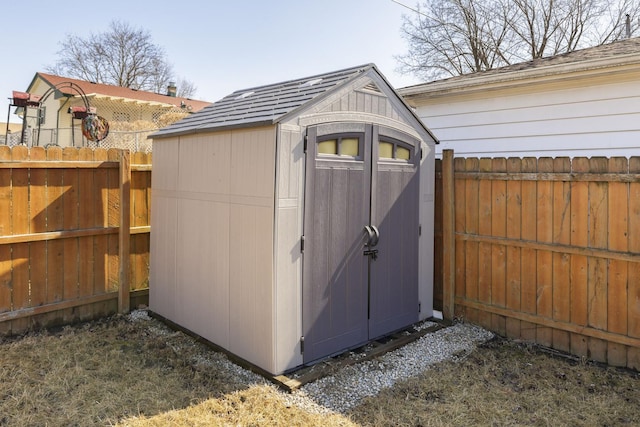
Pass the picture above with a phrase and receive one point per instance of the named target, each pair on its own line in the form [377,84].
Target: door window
[345,145]
[391,149]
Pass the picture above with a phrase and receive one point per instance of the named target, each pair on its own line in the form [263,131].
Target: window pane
[350,147]
[329,146]
[385,150]
[402,153]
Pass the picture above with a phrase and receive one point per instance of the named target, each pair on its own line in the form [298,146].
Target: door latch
[373,253]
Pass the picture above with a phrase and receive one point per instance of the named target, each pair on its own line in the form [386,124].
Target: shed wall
[214,274]
[590,117]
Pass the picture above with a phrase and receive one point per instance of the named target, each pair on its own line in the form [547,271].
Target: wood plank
[55,222]
[579,238]
[529,232]
[597,268]
[29,312]
[544,259]
[64,164]
[139,249]
[484,249]
[5,250]
[460,225]
[633,283]
[471,225]
[513,253]
[113,219]
[70,220]
[86,219]
[561,290]
[124,236]
[498,252]
[618,232]
[586,332]
[551,247]
[20,225]
[101,243]
[38,223]
[546,176]
[448,236]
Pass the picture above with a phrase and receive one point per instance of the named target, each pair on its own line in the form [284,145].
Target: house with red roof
[55,118]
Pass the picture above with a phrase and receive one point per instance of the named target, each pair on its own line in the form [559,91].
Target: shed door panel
[394,200]
[348,296]
[335,271]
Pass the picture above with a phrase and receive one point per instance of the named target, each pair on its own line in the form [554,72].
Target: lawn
[134,371]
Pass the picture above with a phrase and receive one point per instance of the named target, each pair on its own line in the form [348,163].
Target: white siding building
[583,103]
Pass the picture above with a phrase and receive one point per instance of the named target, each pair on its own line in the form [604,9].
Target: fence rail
[74,234]
[547,250]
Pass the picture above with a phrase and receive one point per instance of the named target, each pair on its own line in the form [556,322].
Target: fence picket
[5,229]
[529,272]
[471,226]
[544,233]
[55,222]
[579,237]
[618,204]
[38,224]
[597,287]
[498,251]
[633,284]
[513,254]
[71,264]
[561,291]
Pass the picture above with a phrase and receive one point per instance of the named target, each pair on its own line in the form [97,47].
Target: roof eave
[205,129]
[516,78]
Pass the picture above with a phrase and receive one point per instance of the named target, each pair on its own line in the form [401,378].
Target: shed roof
[263,105]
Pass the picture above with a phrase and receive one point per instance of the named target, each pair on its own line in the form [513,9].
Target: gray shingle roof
[262,105]
[621,48]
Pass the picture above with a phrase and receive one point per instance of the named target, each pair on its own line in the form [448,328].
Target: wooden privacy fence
[547,250]
[74,234]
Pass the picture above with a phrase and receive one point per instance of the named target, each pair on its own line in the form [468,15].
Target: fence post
[124,232]
[448,236]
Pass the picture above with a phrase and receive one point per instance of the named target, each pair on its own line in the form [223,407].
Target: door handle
[373,235]
[376,236]
[370,234]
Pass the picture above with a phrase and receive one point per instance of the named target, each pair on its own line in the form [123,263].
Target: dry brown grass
[140,373]
[504,383]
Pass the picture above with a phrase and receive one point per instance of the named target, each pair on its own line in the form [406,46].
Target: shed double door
[360,265]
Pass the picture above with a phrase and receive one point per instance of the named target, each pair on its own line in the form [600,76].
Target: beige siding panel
[251,290]
[425,243]
[288,258]
[253,162]
[165,176]
[204,163]
[202,288]
[163,277]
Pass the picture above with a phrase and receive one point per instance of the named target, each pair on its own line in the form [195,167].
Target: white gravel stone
[347,388]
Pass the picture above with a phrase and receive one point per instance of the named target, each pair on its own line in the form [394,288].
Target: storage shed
[294,221]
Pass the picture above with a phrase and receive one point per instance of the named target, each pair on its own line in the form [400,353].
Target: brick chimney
[172,89]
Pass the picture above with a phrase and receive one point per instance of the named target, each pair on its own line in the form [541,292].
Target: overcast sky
[221,46]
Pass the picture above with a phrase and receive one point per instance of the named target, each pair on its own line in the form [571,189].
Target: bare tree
[453,37]
[122,56]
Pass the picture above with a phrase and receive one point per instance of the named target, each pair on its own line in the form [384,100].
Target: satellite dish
[95,128]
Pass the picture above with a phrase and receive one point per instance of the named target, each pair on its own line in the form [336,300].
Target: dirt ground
[134,371]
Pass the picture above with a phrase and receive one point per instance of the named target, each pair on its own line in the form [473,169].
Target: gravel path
[346,388]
